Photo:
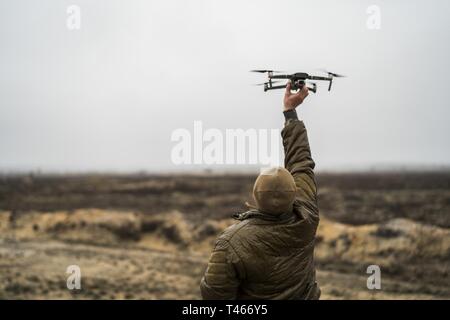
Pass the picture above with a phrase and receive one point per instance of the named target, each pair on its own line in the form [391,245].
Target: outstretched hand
[293,100]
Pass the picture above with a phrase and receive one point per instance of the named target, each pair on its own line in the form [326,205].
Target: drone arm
[329,79]
[319,78]
[275,87]
[281,76]
[313,89]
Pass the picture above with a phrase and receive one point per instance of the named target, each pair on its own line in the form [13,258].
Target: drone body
[297,80]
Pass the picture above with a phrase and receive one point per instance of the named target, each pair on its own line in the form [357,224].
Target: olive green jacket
[271,257]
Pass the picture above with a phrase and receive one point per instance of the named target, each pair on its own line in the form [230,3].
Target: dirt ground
[149,237]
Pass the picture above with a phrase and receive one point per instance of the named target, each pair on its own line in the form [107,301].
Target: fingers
[293,100]
[304,91]
[300,95]
[288,93]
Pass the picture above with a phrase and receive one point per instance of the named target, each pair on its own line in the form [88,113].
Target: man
[269,253]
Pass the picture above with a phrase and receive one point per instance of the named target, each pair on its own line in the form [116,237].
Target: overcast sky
[108,96]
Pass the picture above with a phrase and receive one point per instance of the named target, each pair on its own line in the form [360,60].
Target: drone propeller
[264,71]
[335,75]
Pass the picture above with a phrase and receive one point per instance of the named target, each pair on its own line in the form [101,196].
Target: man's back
[276,257]
[269,254]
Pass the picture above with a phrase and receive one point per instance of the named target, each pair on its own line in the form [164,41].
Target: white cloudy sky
[108,96]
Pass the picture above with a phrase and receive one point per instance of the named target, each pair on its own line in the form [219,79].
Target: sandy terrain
[149,237]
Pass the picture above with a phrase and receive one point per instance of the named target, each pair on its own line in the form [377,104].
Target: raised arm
[296,148]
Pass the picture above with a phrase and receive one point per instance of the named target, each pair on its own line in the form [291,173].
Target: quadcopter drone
[297,80]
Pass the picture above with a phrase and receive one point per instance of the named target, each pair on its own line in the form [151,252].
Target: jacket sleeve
[298,160]
[221,281]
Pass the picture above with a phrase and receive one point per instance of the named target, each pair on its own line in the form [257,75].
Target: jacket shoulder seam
[228,236]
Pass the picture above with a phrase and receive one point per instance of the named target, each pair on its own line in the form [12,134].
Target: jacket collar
[254,213]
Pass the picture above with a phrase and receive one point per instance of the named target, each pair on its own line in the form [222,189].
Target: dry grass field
[149,236]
